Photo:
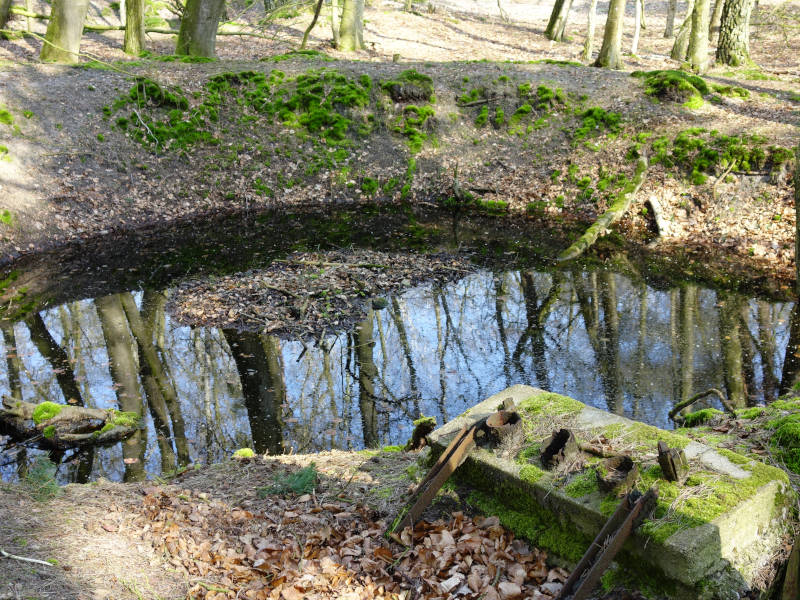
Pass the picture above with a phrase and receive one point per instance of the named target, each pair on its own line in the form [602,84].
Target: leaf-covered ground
[223,532]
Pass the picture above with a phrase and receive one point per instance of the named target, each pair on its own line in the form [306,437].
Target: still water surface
[597,336]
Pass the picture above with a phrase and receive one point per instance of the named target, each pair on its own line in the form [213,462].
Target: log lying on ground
[615,212]
[63,426]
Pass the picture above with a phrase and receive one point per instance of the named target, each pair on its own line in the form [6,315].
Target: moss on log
[615,212]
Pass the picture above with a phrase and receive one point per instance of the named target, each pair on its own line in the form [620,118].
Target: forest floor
[237,530]
[70,175]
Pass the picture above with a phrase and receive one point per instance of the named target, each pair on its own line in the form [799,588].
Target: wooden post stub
[558,447]
[673,463]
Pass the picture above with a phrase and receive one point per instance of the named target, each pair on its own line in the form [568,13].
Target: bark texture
[558,20]
[733,47]
[672,7]
[351,30]
[716,19]
[588,45]
[698,40]
[611,51]
[134,27]
[5,6]
[367,372]
[64,31]
[198,33]
[681,46]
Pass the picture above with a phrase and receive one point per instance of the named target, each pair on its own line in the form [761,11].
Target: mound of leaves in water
[310,293]
[298,548]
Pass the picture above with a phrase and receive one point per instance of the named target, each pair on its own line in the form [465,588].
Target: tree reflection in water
[597,336]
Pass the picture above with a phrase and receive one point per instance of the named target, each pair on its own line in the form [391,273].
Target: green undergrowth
[699,152]
[40,479]
[46,411]
[244,453]
[118,418]
[303,481]
[678,508]
[701,416]
[298,54]
[679,86]
[548,403]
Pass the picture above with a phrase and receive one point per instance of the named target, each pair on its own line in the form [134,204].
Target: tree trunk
[637,26]
[124,374]
[351,31]
[611,51]
[198,33]
[13,365]
[367,372]
[766,348]
[5,7]
[796,180]
[729,318]
[790,375]
[733,47]
[698,40]
[610,370]
[588,45]
[688,300]
[672,7]
[260,365]
[64,31]
[149,367]
[335,21]
[558,20]
[57,357]
[716,19]
[134,27]
[681,46]
[407,5]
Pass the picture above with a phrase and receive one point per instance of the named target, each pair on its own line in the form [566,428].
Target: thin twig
[25,559]
[684,403]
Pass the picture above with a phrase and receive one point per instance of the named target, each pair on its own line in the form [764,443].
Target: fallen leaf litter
[310,293]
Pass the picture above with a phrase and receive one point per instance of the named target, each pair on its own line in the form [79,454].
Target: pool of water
[608,339]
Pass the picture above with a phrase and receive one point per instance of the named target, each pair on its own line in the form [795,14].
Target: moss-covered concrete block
[708,538]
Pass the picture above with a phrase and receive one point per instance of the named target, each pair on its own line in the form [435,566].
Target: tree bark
[124,374]
[588,45]
[57,357]
[681,46]
[716,19]
[5,12]
[672,7]
[611,51]
[64,30]
[729,319]
[335,21]
[311,25]
[351,30]
[198,32]
[134,27]
[558,20]
[733,47]
[698,40]
[637,26]
[367,372]
[796,180]
[260,365]
[152,376]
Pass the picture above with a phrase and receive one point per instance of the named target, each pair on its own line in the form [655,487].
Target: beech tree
[5,9]
[198,32]
[592,21]
[733,47]
[611,51]
[681,46]
[672,7]
[698,40]
[558,20]
[134,27]
[351,30]
[64,31]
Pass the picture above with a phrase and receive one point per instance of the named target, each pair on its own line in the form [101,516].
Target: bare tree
[64,31]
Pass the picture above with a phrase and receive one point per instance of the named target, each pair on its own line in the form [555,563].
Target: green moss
[421,84]
[423,420]
[524,516]
[499,117]
[6,216]
[582,484]
[244,453]
[369,186]
[550,404]
[750,413]
[45,411]
[733,91]
[677,86]
[49,431]
[397,448]
[531,473]
[715,496]
[6,118]
[483,117]
[701,416]
[596,121]
[120,419]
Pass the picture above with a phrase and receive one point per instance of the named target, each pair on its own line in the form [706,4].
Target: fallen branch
[721,178]
[688,402]
[5,554]
[658,215]
[473,103]
[614,213]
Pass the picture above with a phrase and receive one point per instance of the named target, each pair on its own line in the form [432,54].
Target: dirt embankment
[484,140]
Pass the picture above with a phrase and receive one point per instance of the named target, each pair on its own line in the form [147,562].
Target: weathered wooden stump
[673,463]
[558,448]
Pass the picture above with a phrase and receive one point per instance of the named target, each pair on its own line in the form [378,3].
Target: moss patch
[45,411]
[701,416]
[244,453]
[550,404]
[675,86]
